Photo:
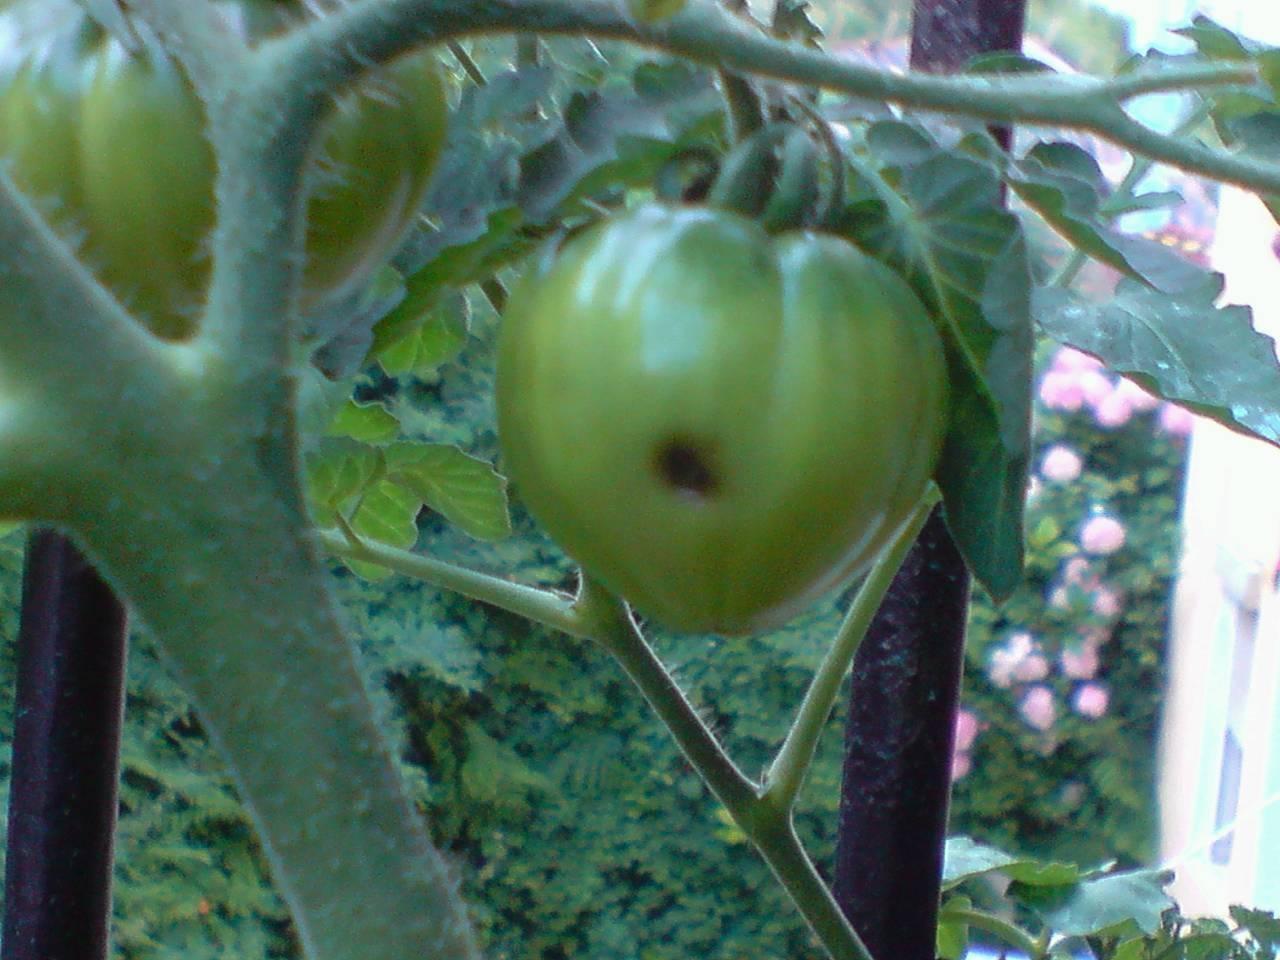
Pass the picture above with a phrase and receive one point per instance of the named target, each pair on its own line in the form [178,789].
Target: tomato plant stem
[340,47]
[786,774]
[1123,193]
[1006,931]
[541,606]
[767,825]
[611,625]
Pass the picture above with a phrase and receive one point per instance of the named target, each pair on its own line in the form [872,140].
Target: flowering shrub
[1055,744]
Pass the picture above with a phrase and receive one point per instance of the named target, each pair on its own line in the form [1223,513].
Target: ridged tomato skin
[112,147]
[717,424]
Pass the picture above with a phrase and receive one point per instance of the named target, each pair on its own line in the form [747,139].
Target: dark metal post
[66,750]
[906,677]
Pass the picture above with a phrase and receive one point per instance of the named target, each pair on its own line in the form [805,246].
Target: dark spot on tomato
[686,466]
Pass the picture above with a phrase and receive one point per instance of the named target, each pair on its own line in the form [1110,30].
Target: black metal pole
[906,677]
[66,750]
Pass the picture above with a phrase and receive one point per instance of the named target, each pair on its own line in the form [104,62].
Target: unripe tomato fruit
[112,146]
[718,425]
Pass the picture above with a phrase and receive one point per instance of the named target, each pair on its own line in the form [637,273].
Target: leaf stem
[551,609]
[742,105]
[1124,192]
[768,827]
[995,926]
[468,64]
[610,624]
[786,774]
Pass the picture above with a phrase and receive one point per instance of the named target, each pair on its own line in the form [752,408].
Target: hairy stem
[994,925]
[376,32]
[767,825]
[611,626]
[541,606]
[787,772]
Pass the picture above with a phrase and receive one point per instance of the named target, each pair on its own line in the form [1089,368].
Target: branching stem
[378,31]
[786,774]
[541,606]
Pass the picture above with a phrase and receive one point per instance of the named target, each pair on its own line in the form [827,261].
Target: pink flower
[1107,602]
[1095,636]
[1061,391]
[961,764]
[1095,385]
[1091,700]
[1076,571]
[1038,709]
[1080,663]
[1071,360]
[1175,421]
[1102,535]
[1031,668]
[1139,399]
[967,728]
[1006,659]
[1061,464]
[1112,411]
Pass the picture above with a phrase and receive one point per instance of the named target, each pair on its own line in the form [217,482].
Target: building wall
[1220,751]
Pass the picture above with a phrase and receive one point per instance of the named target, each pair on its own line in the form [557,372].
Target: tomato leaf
[1214,40]
[1187,350]
[612,137]
[465,490]
[1064,184]
[938,217]
[966,858]
[1115,902]
[437,337]
[369,422]
[337,472]
[1262,925]
[387,513]
[344,329]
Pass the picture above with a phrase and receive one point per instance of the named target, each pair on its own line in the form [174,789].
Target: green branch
[786,774]
[58,319]
[203,41]
[768,827]
[995,926]
[541,606]
[610,624]
[340,47]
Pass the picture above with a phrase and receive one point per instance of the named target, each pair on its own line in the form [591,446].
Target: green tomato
[718,425]
[113,148]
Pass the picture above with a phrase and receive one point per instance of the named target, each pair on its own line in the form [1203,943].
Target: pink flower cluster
[1079,579]
[1061,464]
[1077,381]
[968,726]
[1102,535]
[1020,661]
